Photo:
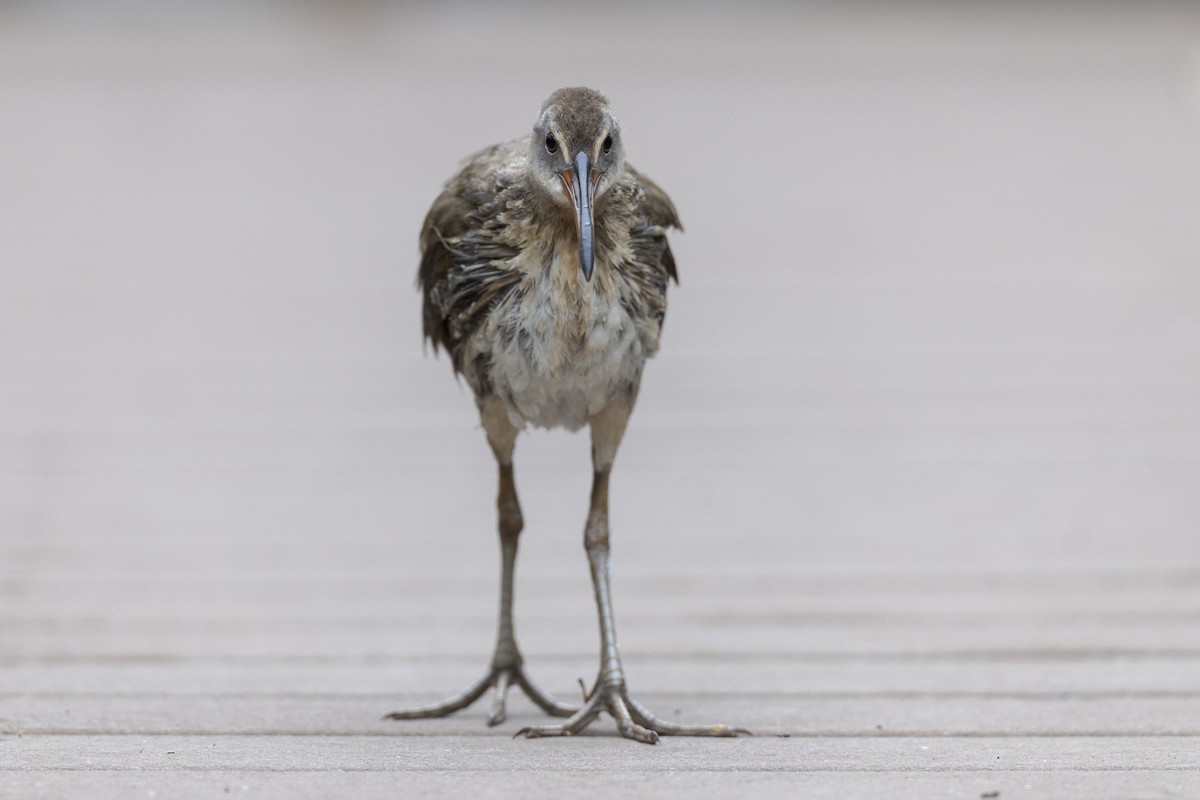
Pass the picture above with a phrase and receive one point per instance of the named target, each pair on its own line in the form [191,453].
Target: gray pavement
[910,492]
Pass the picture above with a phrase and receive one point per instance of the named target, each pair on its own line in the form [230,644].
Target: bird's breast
[561,348]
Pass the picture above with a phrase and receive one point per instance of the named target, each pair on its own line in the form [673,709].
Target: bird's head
[575,154]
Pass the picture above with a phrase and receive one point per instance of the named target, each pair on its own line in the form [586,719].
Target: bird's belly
[556,367]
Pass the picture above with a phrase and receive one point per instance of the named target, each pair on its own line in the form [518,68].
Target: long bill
[580,183]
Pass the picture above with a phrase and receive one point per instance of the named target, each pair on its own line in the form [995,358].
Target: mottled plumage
[544,269]
[504,294]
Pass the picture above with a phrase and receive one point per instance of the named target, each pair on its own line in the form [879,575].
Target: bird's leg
[610,693]
[507,665]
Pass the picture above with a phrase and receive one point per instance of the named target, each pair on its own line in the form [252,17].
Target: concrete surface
[910,492]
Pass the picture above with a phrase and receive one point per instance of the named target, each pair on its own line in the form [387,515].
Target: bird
[544,271]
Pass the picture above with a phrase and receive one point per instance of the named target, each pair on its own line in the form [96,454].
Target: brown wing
[446,218]
[464,252]
[660,211]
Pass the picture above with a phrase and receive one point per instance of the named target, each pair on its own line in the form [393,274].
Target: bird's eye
[551,144]
[607,143]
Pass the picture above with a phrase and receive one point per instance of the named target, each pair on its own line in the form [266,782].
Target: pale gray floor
[912,490]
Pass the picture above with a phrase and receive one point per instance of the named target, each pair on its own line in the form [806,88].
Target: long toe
[499,699]
[500,677]
[449,705]
[625,724]
[540,696]
[573,725]
[641,715]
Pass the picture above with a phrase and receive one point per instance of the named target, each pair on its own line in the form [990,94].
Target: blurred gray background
[940,290]
[939,312]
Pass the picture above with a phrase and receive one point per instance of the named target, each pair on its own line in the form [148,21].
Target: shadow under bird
[544,271]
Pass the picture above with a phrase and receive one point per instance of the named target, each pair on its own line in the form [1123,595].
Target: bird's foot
[633,720]
[500,677]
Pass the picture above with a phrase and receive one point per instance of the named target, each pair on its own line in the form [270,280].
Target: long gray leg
[610,693]
[507,665]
